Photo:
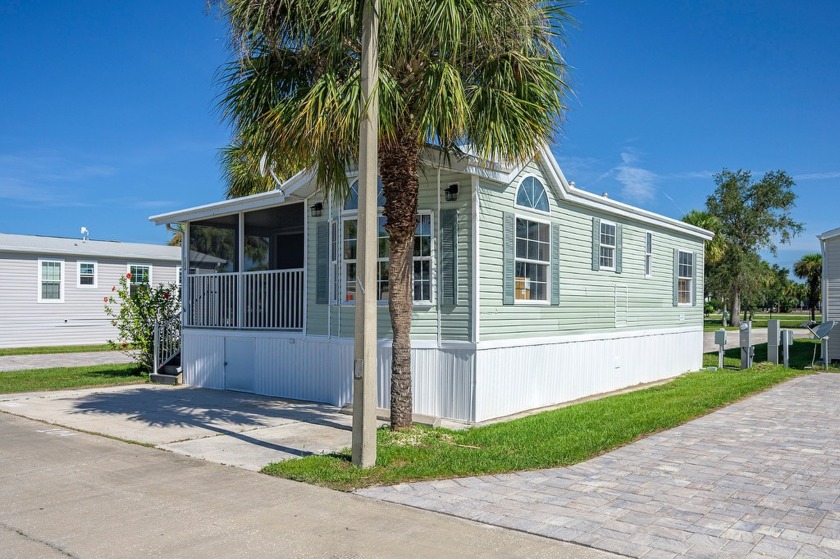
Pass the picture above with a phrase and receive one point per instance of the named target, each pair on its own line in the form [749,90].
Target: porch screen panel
[449,256]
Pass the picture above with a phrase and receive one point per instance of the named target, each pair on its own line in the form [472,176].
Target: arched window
[532,194]
[352,200]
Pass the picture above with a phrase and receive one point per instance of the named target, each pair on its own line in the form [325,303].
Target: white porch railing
[267,300]
[167,341]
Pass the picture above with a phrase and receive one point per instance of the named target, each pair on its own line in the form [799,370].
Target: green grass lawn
[554,438]
[712,322]
[36,380]
[53,349]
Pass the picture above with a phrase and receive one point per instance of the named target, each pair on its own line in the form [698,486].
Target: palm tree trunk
[736,308]
[398,162]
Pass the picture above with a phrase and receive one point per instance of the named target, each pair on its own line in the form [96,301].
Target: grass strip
[560,437]
[36,380]
[53,349]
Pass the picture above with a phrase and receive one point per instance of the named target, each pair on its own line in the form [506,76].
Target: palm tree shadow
[215,411]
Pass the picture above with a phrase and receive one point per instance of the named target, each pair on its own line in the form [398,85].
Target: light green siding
[590,301]
[337,320]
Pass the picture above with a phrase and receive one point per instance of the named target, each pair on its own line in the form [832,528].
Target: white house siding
[587,298]
[535,374]
[831,261]
[337,320]
[79,319]
[320,370]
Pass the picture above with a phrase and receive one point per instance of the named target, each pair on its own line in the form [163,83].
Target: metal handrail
[167,338]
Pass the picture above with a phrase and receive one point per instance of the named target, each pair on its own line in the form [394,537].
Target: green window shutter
[509,257]
[694,283]
[322,261]
[596,244]
[555,264]
[676,276]
[618,249]
[449,257]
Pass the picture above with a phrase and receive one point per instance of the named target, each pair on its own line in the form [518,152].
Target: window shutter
[676,276]
[618,245]
[322,260]
[596,244]
[555,264]
[509,258]
[449,257]
[694,283]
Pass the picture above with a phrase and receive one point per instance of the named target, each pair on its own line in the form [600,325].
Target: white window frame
[648,254]
[139,265]
[527,208]
[338,264]
[613,246]
[62,271]
[690,279]
[547,263]
[79,265]
[177,275]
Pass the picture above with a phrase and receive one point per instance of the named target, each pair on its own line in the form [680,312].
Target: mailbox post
[746,345]
[720,341]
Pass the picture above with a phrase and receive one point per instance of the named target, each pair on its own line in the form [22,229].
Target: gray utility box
[720,337]
[773,327]
[747,350]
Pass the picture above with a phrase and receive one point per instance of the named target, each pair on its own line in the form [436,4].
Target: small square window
[87,274]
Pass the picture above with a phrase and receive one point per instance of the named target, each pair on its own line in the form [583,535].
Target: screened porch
[246,270]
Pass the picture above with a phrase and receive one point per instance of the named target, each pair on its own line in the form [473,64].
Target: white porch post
[240,267]
[185,275]
[364,350]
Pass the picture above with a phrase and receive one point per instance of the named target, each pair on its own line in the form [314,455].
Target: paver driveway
[759,478]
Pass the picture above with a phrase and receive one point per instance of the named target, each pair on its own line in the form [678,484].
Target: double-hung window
[533,257]
[685,278]
[607,255]
[423,259]
[648,254]
[50,281]
[87,274]
[139,275]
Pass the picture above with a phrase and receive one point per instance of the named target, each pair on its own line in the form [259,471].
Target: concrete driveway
[760,478]
[243,430]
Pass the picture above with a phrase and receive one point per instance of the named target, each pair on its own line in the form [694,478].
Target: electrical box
[746,345]
[720,337]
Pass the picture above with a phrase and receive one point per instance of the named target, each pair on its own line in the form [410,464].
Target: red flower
[166,295]
[128,275]
[114,288]
[124,344]
[106,299]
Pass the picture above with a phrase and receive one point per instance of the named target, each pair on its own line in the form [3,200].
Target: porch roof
[296,189]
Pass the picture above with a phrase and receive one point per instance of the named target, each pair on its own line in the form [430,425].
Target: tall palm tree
[487,74]
[809,268]
[714,248]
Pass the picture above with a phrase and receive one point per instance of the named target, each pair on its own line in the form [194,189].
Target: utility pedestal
[773,341]
[746,345]
[720,341]
[787,341]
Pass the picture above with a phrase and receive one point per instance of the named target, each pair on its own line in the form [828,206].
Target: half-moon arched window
[532,194]
[352,200]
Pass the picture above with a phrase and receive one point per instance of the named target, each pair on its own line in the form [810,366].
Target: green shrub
[134,309]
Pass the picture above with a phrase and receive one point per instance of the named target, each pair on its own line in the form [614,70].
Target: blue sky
[107,109]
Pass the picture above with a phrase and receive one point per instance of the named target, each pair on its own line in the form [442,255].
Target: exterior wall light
[317,209]
[451,193]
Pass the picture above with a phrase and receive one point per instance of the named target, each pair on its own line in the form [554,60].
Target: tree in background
[487,74]
[751,215]
[713,250]
[809,268]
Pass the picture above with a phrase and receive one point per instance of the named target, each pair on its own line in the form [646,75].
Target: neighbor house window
[685,278]
[648,254]
[87,274]
[532,260]
[140,275]
[607,255]
[50,281]
[335,269]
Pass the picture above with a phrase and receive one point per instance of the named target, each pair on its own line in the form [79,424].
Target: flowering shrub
[134,309]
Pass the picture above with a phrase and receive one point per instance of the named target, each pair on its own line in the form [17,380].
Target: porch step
[158,378]
[171,369]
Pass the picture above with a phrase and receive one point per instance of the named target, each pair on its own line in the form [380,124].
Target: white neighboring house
[830,244]
[52,289]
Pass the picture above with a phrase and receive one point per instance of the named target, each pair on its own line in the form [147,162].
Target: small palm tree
[809,268]
[717,246]
[487,74]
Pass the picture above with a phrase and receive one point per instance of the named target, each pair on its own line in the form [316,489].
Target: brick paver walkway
[759,478]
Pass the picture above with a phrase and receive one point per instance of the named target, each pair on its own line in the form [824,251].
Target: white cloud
[638,184]
[817,176]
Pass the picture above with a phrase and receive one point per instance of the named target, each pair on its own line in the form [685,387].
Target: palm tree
[487,74]
[714,248]
[809,268]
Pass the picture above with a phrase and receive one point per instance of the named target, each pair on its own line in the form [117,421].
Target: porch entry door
[239,364]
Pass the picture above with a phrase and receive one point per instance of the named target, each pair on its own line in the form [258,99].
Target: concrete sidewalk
[66,493]
[50,360]
[233,428]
